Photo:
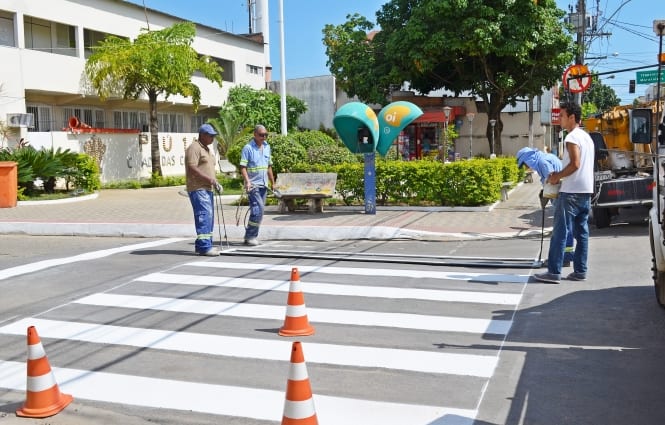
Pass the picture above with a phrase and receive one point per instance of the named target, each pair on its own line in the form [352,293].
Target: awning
[432,116]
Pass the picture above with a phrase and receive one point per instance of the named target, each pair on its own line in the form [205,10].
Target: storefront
[425,137]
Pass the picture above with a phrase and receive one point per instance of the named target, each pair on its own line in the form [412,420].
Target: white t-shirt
[581,181]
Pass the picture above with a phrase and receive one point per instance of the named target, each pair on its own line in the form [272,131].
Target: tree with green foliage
[358,62]
[155,63]
[498,51]
[263,107]
[603,97]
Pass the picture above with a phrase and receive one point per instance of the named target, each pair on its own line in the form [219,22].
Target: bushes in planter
[462,183]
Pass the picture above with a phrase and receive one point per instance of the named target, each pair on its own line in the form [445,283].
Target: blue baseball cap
[207,129]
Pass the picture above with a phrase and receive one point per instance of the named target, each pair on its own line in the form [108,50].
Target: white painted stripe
[95,255]
[320,315]
[420,361]
[417,274]
[299,409]
[41,383]
[230,400]
[337,289]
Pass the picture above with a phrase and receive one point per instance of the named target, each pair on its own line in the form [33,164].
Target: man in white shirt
[574,200]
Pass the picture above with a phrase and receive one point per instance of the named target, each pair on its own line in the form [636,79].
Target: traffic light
[631,86]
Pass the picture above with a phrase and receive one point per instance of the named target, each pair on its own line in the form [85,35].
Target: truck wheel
[659,285]
[658,276]
[601,216]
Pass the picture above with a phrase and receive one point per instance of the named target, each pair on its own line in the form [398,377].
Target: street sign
[576,78]
[650,77]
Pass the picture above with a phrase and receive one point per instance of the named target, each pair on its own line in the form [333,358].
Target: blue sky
[632,43]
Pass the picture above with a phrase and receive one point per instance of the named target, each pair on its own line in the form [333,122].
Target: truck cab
[623,169]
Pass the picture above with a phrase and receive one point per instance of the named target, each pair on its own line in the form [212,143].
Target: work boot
[212,252]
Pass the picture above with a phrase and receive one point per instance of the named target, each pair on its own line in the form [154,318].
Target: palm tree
[230,130]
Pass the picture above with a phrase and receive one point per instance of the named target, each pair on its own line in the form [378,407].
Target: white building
[43,49]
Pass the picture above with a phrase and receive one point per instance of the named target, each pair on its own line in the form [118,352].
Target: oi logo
[394,114]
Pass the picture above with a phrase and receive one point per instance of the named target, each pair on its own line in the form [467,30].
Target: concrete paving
[163,212]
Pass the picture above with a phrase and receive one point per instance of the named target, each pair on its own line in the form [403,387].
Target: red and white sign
[556,116]
[576,78]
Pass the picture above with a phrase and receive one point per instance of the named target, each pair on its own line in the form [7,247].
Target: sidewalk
[162,212]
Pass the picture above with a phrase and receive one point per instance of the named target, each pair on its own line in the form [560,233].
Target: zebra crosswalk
[393,345]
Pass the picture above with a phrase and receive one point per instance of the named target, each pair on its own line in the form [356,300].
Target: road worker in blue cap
[201,180]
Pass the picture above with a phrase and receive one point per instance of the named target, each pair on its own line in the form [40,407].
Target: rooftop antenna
[145,12]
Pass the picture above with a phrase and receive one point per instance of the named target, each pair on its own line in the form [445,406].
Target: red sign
[556,116]
[576,78]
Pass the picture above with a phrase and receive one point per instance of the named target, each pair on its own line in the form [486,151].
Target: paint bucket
[551,191]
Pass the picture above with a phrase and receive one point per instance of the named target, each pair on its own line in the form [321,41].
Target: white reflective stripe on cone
[298,372]
[41,383]
[36,351]
[296,310]
[299,409]
[295,286]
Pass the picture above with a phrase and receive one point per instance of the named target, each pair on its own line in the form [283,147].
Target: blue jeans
[204,216]
[568,254]
[257,201]
[570,245]
[571,211]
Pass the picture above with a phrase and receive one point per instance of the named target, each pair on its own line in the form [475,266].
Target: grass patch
[232,186]
[58,194]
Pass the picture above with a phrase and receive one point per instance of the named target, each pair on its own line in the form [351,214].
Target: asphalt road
[442,343]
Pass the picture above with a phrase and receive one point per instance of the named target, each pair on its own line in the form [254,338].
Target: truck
[623,167]
[657,214]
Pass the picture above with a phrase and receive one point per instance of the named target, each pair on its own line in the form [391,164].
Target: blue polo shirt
[256,160]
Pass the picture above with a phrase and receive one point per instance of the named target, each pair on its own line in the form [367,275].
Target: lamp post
[492,123]
[446,114]
[470,117]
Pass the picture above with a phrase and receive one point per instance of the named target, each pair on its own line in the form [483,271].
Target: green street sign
[650,77]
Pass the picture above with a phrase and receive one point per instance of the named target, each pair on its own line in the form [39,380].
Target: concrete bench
[225,167]
[314,187]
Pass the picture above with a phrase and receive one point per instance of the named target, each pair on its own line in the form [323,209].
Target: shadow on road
[580,371]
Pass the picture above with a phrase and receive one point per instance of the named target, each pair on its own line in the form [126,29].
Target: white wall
[123,157]
[32,74]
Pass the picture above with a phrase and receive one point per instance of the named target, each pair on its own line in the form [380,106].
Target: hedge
[462,183]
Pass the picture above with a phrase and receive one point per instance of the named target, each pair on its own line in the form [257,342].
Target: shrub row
[425,182]
[463,183]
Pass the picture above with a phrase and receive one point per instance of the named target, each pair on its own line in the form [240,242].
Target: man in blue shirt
[256,171]
[545,164]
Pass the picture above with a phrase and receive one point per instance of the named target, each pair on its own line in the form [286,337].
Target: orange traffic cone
[43,397]
[299,404]
[296,322]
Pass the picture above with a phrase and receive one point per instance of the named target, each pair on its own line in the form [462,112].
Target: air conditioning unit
[21,120]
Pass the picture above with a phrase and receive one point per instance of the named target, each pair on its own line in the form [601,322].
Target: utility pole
[581,31]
